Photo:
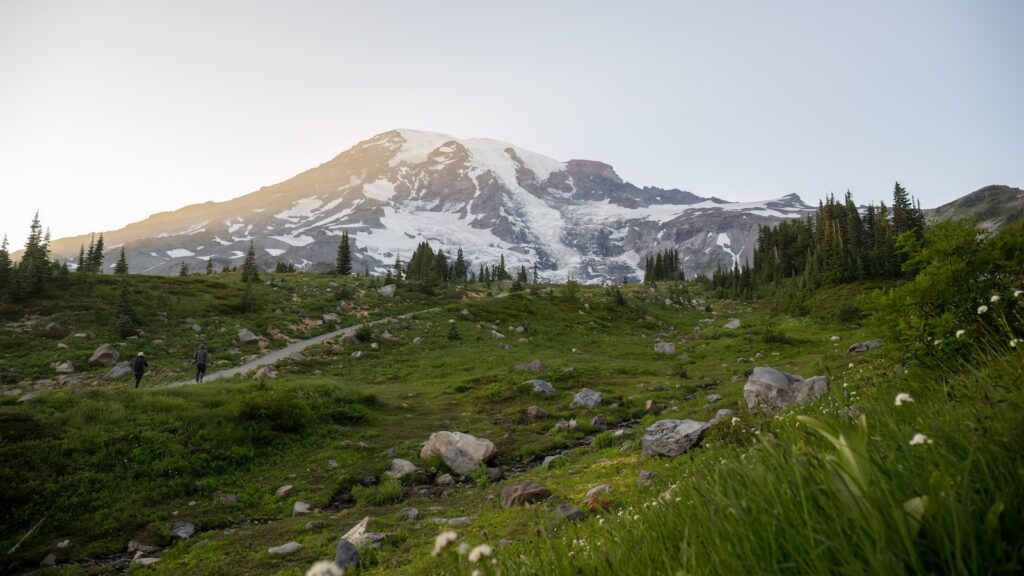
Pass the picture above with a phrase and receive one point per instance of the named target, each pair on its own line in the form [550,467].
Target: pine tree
[96,265]
[183,271]
[459,269]
[5,268]
[521,275]
[122,264]
[126,320]
[90,255]
[34,268]
[536,278]
[209,266]
[343,264]
[398,268]
[502,273]
[250,272]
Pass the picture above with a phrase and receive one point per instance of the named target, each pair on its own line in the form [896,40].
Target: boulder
[300,508]
[264,373]
[283,491]
[183,530]
[531,366]
[732,324]
[400,468]
[600,489]
[569,513]
[346,554]
[600,422]
[535,414]
[586,398]
[668,348]
[541,386]
[712,398]
[331,317]
[119,370]
[409,513]
[105,355]
[445,480]
[460,521]
[770,389]
[646,479]
[55,328]
[463,453]
[497,335]
[65,367]
[722,415]
[862,347]
[672,437]
[246,336]
[522,493]
[387,291]
[284,549]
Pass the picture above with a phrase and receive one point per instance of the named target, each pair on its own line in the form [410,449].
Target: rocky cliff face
[993,206]
[488,197]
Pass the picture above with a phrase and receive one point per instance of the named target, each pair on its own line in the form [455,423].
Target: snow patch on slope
[180,253]
[379,190]
[300,210]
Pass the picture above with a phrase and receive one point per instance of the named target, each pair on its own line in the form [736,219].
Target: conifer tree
[126,320]
[343,264]
[122,264]
[209,266]
[183,271]
[459,269]
[536,277]
[398,269]
[34,269]
[502,273]
[5,268]
[96,265]
[250,272]
[521,275]
[90,255]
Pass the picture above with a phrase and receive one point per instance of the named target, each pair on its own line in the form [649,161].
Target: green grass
[763,495]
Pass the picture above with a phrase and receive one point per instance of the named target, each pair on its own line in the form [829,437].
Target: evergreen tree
[209,266]
[183,271]
[96,265]
[34,269]
[502,273]
[90,255]
[536,278]
[250,272]
[459,269]
[80,263]
[344,261]
[521,275]
[122,264]
[126,320]
[398,268]
[5,268]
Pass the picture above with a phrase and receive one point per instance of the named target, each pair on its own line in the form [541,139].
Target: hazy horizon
[116,110]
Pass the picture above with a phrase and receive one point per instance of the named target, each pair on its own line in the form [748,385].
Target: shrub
[389,491]
[364,334]
[603,440]
[273,411]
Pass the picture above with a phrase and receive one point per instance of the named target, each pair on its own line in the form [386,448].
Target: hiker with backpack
[200,361]
[139,366]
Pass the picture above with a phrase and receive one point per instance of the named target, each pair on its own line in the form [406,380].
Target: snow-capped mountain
[490,198]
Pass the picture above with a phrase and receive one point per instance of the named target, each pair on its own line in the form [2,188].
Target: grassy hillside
[104,464]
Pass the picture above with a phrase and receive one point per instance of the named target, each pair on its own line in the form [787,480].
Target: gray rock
[732,324]
[229,499]
[264,373]
[522,493]
[332,464]
[357,354]
[549,459]
[55,328]
[722,415]
[105,355]
[712,398]
[346,554]
[834,339]
[672,437]
[445,480]
[64,544]
[460,521]
[283,491]
[331,317]
[119,371]
[862,347]
[562,425]
[586,398]
[769,389]
[600,489]
[646,479]
[147,561]
[136,545]
[197,328]
[535,414]
[600,422]
[245,336]
[668,348]
[65,367]
[183,530]
[409,513]
[569,513]
[81,335]
[463,453]
[541,386]
[49,560]
[417,340]
[375,346]
[387,291]
[26,398]
[494,474]
[497,335]
[300,508]
[531,366]
[504,543]
[285,549]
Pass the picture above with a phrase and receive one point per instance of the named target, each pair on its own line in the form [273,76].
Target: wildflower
[994,298]
[1017,293]
[851,365]
[475,573]
[734,420]
[982,309]
[325,568]
[937,342]
[903,398]
[960,333]
[920,439]
[443,540]
[479,552]
[1013,343]
[463,549]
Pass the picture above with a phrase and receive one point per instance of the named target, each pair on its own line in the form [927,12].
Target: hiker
[139,365]
[200,362]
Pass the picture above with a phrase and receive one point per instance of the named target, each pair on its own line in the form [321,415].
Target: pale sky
[113,110]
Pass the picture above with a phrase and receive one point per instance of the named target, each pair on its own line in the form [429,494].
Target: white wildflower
[994,298]
[920,439]
[960,333]
[325,568]
[463,549]
[475,573]
[1013,343]
[1017,293]
[479,552]
[903,398]
[851,365]
[982,309]
[937,342]
[443,540]
[734,420]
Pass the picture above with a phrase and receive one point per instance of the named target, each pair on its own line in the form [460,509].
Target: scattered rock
[246,337]
[331,317]
[346,554]
[264,373]
[197,328]
[586,398]
[668,348]
[461,452]
[49,560]
[712,398]
[549,459]
[387,291]
[646,479]
[300,508]
[445,480]
[504,543]
[229,499]
[573,424]
[65,367]
[835,339]
[561,425]
[577,351]
[357,354]
[313,525]
[494,474]
[54,328]
[369,480]
[183,530]
[531,366]
[862,347]
[732,324]
[118,371]
[600,422]
[400,468]
[505,346]
[569,513]
[600,489]
[285,549]
[64,544]
[770,389]
[409,513]
[62,346]
[374,346]
[350,338]
[26,398]
[105,355]
[417,340]
[652,407]
[496,335]
[722,415]
[522,493]
[460,521]
[81,335]
[283,491]
[535,414]
[136,545]
[672,437]
[520,329]
[541,386]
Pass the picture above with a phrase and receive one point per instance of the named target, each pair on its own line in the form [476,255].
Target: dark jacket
[139,364]
[201,355]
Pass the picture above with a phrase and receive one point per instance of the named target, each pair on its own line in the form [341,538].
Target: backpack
[138,363]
